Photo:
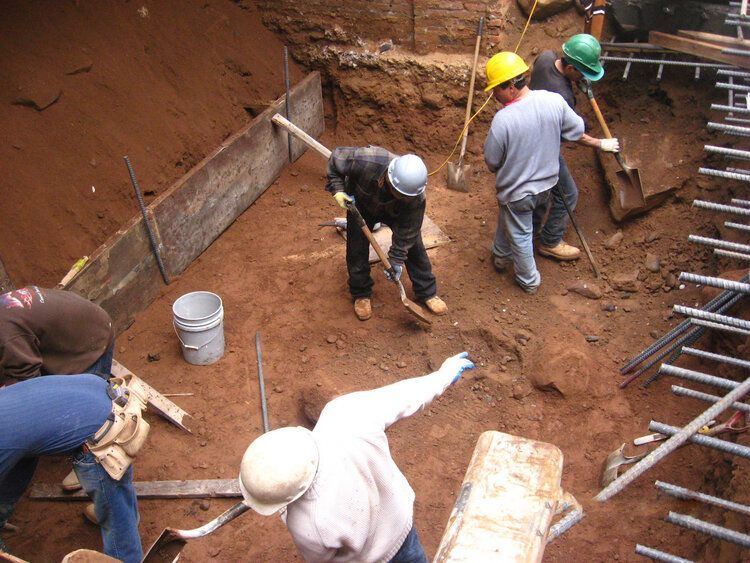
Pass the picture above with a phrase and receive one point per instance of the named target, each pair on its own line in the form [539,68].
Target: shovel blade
[457,177]
[412,307]
[166,548]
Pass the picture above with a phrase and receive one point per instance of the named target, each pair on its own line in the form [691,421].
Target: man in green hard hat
[557,73]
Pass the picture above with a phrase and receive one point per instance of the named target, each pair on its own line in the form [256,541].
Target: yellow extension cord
[461,134]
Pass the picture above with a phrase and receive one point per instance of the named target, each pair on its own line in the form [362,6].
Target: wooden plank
[207,488]
[697,48]
[194,212]
[713,38]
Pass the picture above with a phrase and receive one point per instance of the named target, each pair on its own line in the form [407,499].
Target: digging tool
[412,307]
[585,245]
[457,172]
[167,547]
[615,460]
[628,190]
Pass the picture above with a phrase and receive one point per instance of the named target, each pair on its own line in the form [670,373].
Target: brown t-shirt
[50,331]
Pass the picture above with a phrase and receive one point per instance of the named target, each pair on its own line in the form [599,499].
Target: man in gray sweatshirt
[523,150]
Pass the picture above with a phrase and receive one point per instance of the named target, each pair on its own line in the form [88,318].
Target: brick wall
[423,26]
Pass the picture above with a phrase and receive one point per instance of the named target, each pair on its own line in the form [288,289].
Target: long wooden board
[697,48]
[122,275]
[714,38]
[207,488]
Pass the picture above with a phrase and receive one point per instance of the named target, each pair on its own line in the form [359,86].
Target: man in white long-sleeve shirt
[345,498]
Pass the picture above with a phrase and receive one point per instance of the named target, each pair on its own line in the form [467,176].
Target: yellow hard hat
[502,67]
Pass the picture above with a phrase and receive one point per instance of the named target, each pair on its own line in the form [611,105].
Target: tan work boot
[90,513]
[70,483]
[562,251]
[363,308]
[436,305]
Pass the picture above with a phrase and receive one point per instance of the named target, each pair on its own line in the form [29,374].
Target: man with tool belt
[341,495]
[523,150]
[99,423]
[555,73]
[386,189]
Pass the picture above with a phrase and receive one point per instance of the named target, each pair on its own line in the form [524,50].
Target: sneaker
[501,264]
[363,308]
[562,251]
[90,513]
[436,305]
[70,483]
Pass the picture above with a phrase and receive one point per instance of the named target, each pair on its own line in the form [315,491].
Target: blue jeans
[557,221]
[411,551]
[514,237]
[115,505]
[103,366]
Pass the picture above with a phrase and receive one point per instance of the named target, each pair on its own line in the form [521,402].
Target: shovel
[457,172]
[412,307]
[615,460]
[629,190]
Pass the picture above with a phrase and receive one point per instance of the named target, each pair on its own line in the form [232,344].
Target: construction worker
[344,497]
[45,331]
[580,59]
[523,150]
[84,416]
[386,189]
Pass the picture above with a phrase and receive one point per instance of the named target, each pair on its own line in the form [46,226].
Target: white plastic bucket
[198,319]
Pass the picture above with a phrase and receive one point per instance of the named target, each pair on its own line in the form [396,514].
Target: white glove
[455,365]
[342,198]
[609,145]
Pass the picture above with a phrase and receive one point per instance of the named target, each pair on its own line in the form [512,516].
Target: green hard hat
[582,51]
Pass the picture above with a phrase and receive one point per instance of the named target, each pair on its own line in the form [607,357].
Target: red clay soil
[547,365]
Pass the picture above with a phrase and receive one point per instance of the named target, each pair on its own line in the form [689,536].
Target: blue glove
[394,274]
[456,365]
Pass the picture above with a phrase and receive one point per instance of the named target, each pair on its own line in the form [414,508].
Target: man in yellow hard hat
[523,150]
[557,73]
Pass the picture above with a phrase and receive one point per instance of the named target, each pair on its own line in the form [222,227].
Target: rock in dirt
[563,369]
[626,282]
[609,307]
[614,241]
[653,262]
[39,100]
[153,357]
[331,338]
[588,290]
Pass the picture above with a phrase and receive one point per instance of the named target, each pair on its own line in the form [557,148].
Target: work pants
[411,551]
[103,366]
[514,237]
[115,502]
[358,263]
[557,220]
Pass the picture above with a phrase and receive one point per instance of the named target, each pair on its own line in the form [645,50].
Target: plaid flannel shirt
[358,172]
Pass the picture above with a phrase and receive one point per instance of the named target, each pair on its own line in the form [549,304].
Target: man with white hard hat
[345,498]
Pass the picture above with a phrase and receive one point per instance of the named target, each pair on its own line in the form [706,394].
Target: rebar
[686,494]
[718,243]
[709,316]
[703,354]
[740,202]
[738,170]
[724,174]
[702,440]
[737,226]
[146,223]
[287,103]
[706,397]
[740,52]
[730,129]
[720,207]
[730,109]
[732,119]
[730,254]
[657,555]
[735,51]
[680,437]
[720,326]
[712,281]
[663,354]
[730,72]
[734,153]
[733,86]
[707,528]
[615,58]
[564,524]
[262,385]
[698,377]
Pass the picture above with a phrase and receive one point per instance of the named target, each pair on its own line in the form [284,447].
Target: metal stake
[261,383]
[288,108]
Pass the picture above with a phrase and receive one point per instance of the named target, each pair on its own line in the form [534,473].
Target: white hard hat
[277,468]
[408,175]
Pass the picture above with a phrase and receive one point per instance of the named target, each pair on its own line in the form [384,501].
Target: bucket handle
[174,327]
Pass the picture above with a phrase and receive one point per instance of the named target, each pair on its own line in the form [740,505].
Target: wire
[460,135]
[528,21]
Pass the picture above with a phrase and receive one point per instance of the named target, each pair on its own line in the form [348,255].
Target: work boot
[363,308]
[531,290]
[70,483]
[562,251]
[90,513]
[501,264]
[436,305]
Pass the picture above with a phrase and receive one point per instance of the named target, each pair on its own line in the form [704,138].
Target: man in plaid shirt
[388,189]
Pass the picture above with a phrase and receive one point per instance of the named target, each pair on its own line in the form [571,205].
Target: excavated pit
[547,364]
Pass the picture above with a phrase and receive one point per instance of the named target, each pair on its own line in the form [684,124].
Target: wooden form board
[207,488]
[701,49]
[714,38]
[122,275]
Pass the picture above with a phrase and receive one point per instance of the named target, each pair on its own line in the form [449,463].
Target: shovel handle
[599,116]
[292,129]
[471,91]
[368,233]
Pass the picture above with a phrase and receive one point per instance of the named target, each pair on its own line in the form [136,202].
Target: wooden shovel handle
[600,117]
[368,233]
[471,90]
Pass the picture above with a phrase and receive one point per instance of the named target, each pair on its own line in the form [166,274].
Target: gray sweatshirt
[523,145]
